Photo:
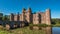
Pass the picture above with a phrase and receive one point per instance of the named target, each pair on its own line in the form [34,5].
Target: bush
[43,25]
[40,25]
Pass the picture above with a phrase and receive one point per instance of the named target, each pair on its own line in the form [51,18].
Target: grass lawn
[56,25]
[24,30]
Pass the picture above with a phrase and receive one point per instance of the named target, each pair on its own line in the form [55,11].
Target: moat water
[52,30]
[55,30]
[49,30]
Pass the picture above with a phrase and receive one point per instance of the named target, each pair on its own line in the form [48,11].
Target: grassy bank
[24,30]
[40,25]
[56,25]
[45,25]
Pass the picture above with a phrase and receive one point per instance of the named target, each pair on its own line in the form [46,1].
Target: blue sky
[14,6]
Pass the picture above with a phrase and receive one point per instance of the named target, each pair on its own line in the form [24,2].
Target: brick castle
[35,18]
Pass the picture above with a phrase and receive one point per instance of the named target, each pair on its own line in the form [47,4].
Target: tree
[6,17]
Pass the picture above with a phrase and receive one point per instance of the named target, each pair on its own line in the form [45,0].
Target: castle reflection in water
[47,30]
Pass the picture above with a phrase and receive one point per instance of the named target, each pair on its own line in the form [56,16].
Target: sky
[14,6]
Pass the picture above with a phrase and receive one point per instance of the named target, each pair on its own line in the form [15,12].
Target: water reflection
[56,30]
[47,30]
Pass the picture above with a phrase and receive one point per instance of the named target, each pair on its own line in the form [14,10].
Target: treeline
[5,18]
[55,21]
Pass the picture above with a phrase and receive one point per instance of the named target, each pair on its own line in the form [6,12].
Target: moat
[34,30]
[51,30]
[55,30]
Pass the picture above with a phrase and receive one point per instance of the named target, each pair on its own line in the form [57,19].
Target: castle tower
[29,15]
[48,17]
[23,14]
[12,17]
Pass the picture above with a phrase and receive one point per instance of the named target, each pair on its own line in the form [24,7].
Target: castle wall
[38,18]
[15,18]
[43,18]
[20,18]
[12,17]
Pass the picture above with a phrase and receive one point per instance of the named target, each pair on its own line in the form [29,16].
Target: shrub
[40,25]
